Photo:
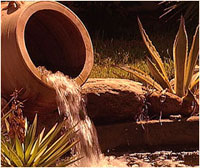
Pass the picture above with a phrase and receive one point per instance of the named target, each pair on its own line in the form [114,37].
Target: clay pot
[41,34]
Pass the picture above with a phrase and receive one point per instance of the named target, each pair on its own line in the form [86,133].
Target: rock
[165,104]
[134,165]
[141,163]
[144,164]
[165,163]
[113,100]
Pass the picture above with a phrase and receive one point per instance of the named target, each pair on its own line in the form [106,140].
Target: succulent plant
[29,150]
[37,151]
[184,64]
[180,89]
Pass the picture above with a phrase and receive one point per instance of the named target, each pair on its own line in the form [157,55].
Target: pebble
[133,158]
[159,159]
[180,165]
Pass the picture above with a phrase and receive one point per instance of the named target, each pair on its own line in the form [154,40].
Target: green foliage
[40,151]
[184,63]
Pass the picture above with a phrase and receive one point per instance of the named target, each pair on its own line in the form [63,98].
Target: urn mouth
[54,37]
[53,41]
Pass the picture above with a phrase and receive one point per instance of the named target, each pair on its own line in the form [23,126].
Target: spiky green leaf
[11,154]
[142,77]
[180,49]
[58,154]
[61,142]
[33,152]
[152,50]
[32,139]
[19,149]
[194,83]
[69,161]
[192,59]
[38,157]
[158,76]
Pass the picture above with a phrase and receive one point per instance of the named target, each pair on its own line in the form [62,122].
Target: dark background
[117,19]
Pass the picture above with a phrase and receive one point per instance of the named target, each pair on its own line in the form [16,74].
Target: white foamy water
[71,105]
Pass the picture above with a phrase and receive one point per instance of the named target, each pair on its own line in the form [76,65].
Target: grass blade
[192,58]
[180,49]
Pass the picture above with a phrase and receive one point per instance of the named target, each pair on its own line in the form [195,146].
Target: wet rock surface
[113,100]
[162,159]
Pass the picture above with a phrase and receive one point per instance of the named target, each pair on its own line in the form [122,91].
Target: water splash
[71,106]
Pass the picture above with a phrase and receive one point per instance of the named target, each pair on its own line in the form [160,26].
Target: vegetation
[22,148]
[189,9]
[108,53]
[184,63]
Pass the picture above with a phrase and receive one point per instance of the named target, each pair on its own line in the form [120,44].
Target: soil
[160,159]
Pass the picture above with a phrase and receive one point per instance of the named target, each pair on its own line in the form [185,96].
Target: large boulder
[113,100]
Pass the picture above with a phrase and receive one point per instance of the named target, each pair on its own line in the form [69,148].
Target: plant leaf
[32,135]
[68,162]
[53,134]
[155,55]
[38,157]
[19,149]
[11,154]
[7,125]
[60,143]
[33,152]
[50,136]
[6,115]
[49,133]
[194,83]
[5,161]
[41,136]
[142,77]
[192,59]
[58,154]
[180,49]
[158,76]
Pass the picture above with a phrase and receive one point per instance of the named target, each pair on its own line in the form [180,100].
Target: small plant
[24,149]
[184,64]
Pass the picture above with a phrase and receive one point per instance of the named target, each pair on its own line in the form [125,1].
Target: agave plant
[184,63]
[40,151]
[180,93]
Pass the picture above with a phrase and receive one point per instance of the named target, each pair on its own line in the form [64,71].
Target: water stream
[71,106]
